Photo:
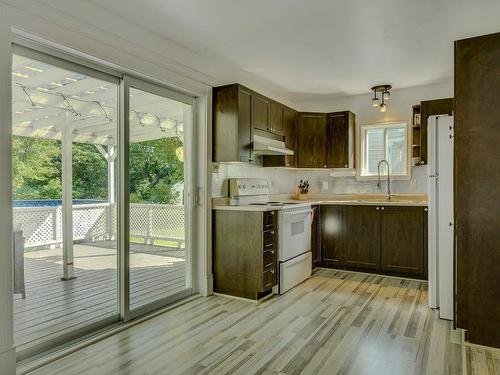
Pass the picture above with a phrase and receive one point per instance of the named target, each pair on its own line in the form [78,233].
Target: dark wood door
[476,200]
[276,124]
[362,233]
[245,153]
[311,140]
[431,108]
[260,111]
[314,237]
[332,228]
[337,155]
[402,240]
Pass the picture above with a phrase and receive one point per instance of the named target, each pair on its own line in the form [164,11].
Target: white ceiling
[305,49]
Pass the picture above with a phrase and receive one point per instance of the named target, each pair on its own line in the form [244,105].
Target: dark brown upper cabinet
[362,230]
[311,140]
[431,108]
[277,122]
[340,140]
[232,123]
[261,108]
[290,120]
[402,240]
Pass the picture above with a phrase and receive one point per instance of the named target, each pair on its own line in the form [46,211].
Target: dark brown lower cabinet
[332,218]
[362,249]
[315,250]
[382,239]
[402,240]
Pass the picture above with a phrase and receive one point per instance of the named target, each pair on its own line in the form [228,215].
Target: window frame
[361,149]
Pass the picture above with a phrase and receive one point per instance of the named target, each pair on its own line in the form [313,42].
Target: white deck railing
[42,226]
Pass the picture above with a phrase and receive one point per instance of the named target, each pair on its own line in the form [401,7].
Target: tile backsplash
[284,181]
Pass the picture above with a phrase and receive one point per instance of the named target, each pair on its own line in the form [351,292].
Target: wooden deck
[53,307]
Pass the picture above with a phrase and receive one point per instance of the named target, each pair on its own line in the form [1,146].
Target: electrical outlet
[324,185]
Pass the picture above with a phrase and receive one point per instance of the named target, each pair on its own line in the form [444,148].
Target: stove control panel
[248,186]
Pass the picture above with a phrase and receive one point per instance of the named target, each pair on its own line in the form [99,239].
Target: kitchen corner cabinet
[244,262]
[340,140]
[232,123]
[311,140]
[381,239]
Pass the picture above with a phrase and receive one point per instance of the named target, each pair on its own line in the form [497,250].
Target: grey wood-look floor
[54,307]
[334,323]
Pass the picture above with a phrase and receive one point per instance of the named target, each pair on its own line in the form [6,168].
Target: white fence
[42,226]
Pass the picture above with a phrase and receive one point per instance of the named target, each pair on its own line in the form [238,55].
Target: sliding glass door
[102,199]
[159,132]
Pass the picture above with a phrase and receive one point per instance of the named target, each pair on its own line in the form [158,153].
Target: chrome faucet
[388,193]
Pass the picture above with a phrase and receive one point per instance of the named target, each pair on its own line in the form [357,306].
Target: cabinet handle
[382,208]
[272,271]
[378,208]
[324,166]
[271,232]
[345,166]
[269,264]
[426,209]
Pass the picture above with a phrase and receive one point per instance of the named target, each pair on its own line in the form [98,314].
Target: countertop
[330,199]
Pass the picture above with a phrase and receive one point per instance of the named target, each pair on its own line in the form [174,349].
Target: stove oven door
[294,232]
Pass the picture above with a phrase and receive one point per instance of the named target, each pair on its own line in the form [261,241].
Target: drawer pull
[272,271]
[269,264]
[269,245]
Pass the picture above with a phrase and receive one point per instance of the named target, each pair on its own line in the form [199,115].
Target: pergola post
[67,200]
[110,157]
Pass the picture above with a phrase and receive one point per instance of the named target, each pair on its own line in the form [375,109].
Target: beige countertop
[331,199]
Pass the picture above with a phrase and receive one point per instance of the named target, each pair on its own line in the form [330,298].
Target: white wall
[283,180]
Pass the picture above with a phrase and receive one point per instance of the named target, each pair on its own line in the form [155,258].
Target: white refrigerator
[440,169]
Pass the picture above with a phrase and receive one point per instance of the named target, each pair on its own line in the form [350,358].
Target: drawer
[268,279]
[269,239]
[269,220]
[269,259]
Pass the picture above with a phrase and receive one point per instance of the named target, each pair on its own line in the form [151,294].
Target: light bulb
[386,95]
[375,102]
[383,107]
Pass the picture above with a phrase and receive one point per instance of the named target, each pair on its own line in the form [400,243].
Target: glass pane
[158,254]
[396,150]
[65,259]
[374,150]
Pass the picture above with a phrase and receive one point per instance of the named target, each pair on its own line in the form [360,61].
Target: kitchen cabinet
[332,233]
[244,261]
[315,249]
[382,239]
[362,249]
[431,108]
[311,140]
[276,122]
[290,123]
[261,107]
[402,240]
[232,125]
[340,140]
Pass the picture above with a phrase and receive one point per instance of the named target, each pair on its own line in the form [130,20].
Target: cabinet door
[431,108]
[338,139]
[332,235]
[311,139]
[314,237]
[244,124]
[260,112]
[276,124]
[402,231]
[362,245]
[291,123]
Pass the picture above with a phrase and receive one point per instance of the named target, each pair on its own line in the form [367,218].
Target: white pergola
[54,103]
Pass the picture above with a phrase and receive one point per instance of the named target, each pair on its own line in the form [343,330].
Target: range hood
[267,146]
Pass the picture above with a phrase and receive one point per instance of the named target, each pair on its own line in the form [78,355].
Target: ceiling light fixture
[384,95]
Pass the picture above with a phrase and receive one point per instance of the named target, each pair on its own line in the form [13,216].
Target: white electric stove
[294,229]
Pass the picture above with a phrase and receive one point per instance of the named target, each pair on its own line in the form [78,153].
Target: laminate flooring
[334,323]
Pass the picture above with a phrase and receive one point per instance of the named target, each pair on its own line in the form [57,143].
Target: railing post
[149,224]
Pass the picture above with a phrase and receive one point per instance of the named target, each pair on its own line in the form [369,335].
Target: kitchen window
[384,141]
